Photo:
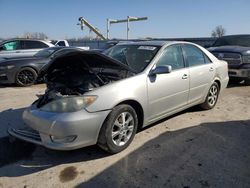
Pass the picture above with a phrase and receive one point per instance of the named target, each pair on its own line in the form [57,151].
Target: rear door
[29,47]
[201,70]
[168,92]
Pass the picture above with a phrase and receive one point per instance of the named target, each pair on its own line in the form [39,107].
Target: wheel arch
[217,80]
[30,66]
[138,109]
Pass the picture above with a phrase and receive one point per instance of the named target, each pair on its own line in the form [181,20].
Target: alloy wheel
[122,128]
[26,77]
[213,95]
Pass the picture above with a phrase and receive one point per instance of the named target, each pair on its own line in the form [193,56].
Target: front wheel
[26,77]
[212,97]
[119,129]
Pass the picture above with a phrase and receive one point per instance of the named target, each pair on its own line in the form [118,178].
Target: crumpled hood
[87,59]
[234,49]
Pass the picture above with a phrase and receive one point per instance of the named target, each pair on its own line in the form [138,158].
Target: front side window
[9,46]
[194,55]
[172,55]
[137,57]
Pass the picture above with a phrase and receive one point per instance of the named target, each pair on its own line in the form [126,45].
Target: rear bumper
[61,131]
[239,73]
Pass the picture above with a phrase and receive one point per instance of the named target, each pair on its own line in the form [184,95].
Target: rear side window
[195,56]
[33,45]
[9,46]
[172,55]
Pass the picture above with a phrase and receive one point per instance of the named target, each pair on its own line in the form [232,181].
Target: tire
[212,97]
[26,76]
[123,131]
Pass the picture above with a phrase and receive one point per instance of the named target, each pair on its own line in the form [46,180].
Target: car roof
[240,35]
[150,43]
[22,39]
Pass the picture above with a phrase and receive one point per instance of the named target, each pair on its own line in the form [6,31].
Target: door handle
[211,69]
[185,76]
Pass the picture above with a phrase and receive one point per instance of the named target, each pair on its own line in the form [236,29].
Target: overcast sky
[177,18]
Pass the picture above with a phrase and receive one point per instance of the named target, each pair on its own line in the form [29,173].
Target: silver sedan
[103,99]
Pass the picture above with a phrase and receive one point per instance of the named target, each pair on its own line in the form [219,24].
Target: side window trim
[206,57]
[184,56]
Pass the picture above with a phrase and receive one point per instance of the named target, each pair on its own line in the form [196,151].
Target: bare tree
[35,35]
[219,31]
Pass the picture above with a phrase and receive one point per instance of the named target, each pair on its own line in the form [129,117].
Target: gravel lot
[191,149]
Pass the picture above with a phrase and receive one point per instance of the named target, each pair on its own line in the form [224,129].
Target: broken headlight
[69,104]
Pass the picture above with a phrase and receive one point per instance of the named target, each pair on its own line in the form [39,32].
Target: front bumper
[84,126]
[239,73]
[8,76]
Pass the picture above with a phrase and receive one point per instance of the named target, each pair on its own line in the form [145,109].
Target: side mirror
[161,70]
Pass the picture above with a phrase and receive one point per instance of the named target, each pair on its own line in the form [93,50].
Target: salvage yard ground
[191,149]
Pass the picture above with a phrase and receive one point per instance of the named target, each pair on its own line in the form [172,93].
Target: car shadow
[172,157]
[13,150]
[7,85]
[20,152]
[209,155]
[232,84]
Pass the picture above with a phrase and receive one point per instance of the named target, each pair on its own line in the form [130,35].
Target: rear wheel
[212,97]
[26,76]
[119,129]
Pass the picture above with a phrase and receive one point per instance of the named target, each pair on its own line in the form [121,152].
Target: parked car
[104,98]
[60,42]
[22,47]
[24,70]
[235,49]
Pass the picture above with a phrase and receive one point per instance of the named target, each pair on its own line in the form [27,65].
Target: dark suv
[235,49]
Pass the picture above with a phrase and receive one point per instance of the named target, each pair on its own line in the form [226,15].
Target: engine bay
[75,79]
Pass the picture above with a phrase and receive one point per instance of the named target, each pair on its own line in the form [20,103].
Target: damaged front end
[69,78]
[71,75]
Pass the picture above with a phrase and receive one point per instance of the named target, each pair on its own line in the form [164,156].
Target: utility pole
[128,20]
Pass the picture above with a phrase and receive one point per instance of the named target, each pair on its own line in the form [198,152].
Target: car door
[10,48]
[201,70]
[168,92]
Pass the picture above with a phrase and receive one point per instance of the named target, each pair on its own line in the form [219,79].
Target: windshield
[137,57]
[46,52]
[233,41]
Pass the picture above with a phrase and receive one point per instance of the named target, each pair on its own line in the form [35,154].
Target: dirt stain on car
[68,174]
